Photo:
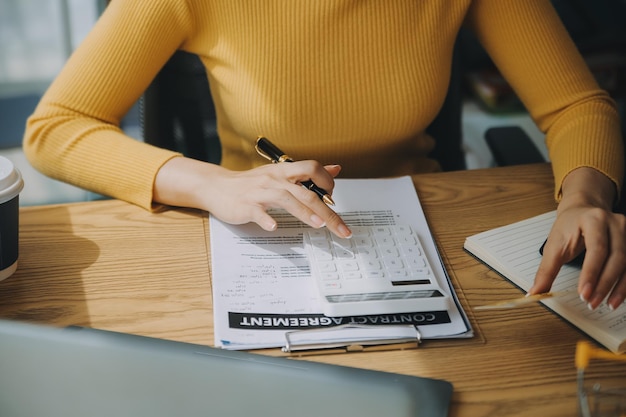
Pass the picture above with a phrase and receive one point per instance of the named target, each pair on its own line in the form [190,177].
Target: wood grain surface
[114,266]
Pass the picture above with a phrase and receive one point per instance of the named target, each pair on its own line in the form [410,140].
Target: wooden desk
[114,266]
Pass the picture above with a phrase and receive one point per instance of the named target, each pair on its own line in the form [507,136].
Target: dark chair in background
[177,112]
[447,126]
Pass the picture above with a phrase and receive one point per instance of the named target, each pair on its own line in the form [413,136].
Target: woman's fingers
[248,195]
[603,236]
[605,261]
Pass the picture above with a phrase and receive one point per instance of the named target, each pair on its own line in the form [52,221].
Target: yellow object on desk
[599,399]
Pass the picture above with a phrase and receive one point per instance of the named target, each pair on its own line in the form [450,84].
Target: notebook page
[513,251]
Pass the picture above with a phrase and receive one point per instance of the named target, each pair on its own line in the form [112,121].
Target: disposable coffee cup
[11,185]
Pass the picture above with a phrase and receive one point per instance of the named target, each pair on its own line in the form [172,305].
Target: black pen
[268,150]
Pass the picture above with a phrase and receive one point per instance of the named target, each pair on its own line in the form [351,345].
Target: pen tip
[328,200]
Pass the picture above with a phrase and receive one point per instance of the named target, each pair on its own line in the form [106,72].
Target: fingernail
[593,304]
[344,231]
[317,221]
[585,292]
[613,303]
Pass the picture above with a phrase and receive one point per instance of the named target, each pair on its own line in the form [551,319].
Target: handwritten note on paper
[263,272]
[513,251]
[262,286]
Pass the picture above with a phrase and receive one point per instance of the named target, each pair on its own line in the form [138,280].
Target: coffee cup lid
[11,182]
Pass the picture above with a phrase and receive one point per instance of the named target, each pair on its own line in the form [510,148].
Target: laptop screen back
[85,372]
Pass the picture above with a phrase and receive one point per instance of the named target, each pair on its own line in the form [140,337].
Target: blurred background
[36,38]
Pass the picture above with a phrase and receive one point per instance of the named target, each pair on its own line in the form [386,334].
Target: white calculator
[380,270]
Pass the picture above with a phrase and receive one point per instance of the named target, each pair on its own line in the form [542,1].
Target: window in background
[36,38]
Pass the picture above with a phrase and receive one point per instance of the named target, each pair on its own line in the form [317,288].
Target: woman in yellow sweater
[349,82]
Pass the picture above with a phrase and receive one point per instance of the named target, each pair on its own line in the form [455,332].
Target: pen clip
[269,151]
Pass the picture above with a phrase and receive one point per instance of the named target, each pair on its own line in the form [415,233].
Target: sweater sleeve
[532,49]
[74,133]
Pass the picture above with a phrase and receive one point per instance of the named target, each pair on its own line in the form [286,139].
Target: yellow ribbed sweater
[353,82]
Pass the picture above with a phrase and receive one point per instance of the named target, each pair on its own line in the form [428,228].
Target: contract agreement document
[264,295]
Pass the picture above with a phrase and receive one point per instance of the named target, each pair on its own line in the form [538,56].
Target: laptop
[76,371]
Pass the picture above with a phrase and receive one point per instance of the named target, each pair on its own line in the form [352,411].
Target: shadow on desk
[45,246]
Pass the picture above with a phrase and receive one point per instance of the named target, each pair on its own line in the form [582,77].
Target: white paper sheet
[262,287]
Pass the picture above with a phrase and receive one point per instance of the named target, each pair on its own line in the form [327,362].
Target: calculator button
[322,255]
[372,265]
[385,241]
[317,234]
[381,231]
[366,253]
[422,272]
[349,266]
[329,276]
[363,242]
[407,240]
[411,250]
[341,253]
[376,274]
[393,263]
[396,274]
[359,232]
[332,285]
[353,275]
[415,262]
[389,252]
[327,266]
[320,244]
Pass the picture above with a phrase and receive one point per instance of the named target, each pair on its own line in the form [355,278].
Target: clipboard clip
[411,341]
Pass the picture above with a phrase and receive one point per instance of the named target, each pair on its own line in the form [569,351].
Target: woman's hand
[239,197]
[585,222]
